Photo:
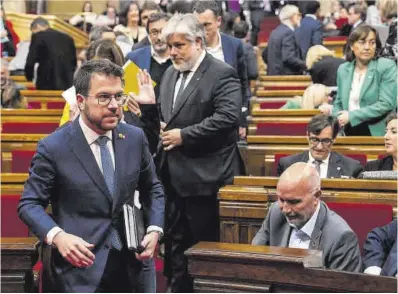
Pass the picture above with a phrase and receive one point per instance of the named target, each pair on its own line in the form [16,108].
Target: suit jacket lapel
[78,143]
[167,98]
[284,236]
[226,49]
[370,74]
[120,148]
[347,85]
[334,166]
[317,232]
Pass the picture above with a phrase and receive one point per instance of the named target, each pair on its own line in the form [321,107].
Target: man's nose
[113,104]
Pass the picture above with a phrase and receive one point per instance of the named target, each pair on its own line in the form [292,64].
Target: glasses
[325,142]
[155,32]
[105,98]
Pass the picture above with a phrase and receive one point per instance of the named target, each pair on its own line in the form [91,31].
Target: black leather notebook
[134,227]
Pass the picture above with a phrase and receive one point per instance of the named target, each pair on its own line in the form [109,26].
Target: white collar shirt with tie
[189,77]
[323,166]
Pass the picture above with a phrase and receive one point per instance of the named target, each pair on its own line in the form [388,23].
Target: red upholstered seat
[272,104]
[21,160]
[336,38]
[34,105]
[360,157]
[55,105]
[275,88]
[29,128]
[11,225]
[282,129]
[362,218]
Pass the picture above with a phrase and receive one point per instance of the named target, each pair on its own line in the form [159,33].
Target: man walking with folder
[88,170]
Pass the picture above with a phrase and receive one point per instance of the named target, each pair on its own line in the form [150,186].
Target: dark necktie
[182,85]
[109,176]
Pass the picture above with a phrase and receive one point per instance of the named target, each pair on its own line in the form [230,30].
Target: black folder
[134,227]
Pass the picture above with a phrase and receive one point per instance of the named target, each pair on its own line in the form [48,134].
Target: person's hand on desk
[74,249]
[149,243]
[171,139]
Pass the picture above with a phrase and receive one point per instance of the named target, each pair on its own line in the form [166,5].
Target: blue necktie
[109,175]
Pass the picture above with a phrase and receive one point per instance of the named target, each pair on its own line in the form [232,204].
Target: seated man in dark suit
[380,251]
[322,131]
[282,54]
[301,220]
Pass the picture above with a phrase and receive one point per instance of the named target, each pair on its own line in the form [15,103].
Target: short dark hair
[82,77]
[361,33]
[150,5]
[105,49]
[312,7]
[156,17]
[391,116]
[180,6]
[202,6]
[97,31]
[123,19]
[241,29]
[358,9]
[320,121]
[39,21]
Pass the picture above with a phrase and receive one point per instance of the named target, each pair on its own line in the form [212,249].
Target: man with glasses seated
[322,131]
[299,219]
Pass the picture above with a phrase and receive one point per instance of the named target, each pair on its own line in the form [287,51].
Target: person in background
[367,86]
[10,95]
[109,19]
[229,19]
[390,142]
[282,55]
[380,251]
[299,219]
[388,13]
[147,9]
[241,31]
[316,96]
[373,14]
[56,54]
[180,6]
[258,10]
[130,23]
[9,38]
[101,32]
[323,65]
[86,19]
[356,16]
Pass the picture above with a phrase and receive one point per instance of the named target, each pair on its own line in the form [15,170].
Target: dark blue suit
[381,249]
[141,57]
[64,172]
[308,34]
[282,54]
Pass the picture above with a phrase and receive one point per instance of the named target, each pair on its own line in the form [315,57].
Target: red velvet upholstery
[55,105]
[21,160]
[362,218]
[34,105]
[360,157]
[272,104]
[340,23]
[29,128]
[275,88]
[11,225]
[282,129]
[335,38]
[381,156]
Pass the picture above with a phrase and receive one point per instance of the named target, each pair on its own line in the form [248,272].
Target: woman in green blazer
[367,86]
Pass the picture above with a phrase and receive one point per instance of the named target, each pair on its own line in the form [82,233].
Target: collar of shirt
[156,56]
[357,23]
[312,159]
[309,226]
[218,46]
[198,62]
[89,134]
[312,16]
[289,25]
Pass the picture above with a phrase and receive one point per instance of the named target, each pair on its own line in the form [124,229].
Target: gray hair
[97,31]
[287,12]
[186,24]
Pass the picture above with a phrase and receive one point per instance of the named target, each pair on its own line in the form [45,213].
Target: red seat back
[11,225]
[282,129]
[29,128]
[55,105]
[362,218]
[21,160]
[34,105]
[272,104]
[275,88]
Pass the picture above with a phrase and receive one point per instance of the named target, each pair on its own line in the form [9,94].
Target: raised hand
[147,93]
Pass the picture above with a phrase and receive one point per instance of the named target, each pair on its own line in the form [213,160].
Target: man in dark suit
[88,169]
[299,219]
[200,102]
[310,31]
[282,54]
[225,48]
[56,54]
[380,251]
[356,16]
[322,131]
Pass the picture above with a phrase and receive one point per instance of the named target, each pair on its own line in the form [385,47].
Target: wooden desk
[44,99]
[221,267]
[18,255]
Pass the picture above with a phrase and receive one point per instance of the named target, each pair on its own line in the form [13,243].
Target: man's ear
[219,19]
[318,194]
[80,101]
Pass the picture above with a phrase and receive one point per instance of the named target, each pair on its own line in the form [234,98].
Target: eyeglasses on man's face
[104,99]
[155,32]
[325,141]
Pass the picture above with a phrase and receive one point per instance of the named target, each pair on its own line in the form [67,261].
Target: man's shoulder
[231,39]
[346,160]
[222,69]
[290,159]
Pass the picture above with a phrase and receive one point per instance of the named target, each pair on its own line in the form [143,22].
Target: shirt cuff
[52,233]
[155,229]
[373,270]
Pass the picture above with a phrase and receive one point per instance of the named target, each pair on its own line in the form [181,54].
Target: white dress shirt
[312,16]
[301,238]
[189,77]
[355,92]
[323,166]
[216,51]
[91,137]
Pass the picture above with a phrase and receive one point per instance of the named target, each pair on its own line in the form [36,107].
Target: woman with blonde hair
[316,96]
[322,65]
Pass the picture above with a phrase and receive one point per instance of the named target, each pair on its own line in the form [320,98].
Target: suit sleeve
[262,236]
[252,68]
[358,168]
[37,193]
[33,56]
[242,72]
[281,168]
[289,53]
[345,254]
[73,55]
[316,38]
[387,98]
[378,244]
[151,190]
[227,104]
